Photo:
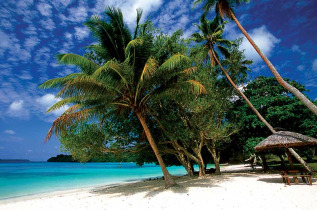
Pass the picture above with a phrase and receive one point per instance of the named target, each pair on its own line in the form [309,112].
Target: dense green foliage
[61,158]
[277,105]
[145,96]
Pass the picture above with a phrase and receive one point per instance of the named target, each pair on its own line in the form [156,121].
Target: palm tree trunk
[211,52]
[169,181]
[278,77]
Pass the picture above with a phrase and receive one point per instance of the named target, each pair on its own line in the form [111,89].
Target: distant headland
[14,161]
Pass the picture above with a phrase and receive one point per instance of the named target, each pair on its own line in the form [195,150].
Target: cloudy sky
[33,32]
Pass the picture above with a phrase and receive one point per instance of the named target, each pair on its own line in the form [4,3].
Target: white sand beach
[239,190]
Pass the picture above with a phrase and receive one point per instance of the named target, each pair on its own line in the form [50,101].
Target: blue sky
[33,32]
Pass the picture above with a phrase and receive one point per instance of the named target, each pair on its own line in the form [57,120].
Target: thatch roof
[285,139]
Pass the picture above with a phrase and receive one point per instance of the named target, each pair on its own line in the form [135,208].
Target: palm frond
[86,66]
[132,44]
[198,87]
[149,68]
[59,82]
[190,70]
[62,123]
[138,18]
[174,61]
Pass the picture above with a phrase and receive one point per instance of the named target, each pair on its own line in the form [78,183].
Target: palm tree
[212,34]
[129,80]
[224,8]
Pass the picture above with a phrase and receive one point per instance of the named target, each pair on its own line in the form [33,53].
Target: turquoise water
[20,179]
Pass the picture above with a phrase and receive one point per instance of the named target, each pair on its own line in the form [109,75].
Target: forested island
[104,158]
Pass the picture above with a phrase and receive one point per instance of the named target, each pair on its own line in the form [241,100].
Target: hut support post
[264,163]
[307,167]
[291,164]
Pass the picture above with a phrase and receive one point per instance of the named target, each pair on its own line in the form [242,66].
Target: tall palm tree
[130,79]
[225,8]
[212,32]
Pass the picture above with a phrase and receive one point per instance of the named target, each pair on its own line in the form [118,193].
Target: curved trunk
[264,163]
[278,77]
[307,167]
[186,163]
[212,54]
[201,165]
[216,157]
[169,182]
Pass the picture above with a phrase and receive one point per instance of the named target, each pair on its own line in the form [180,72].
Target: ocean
[22,179]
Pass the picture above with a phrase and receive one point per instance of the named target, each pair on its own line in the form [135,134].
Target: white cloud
[296,48]
[314,67]
[45,9]
[42,56]
[61,4]
[67,71]
[128,8]
[48,24]
[16,106]
[7,24]
[47,100]
[31,42]
[31,30]
[5,42]
[19,53]
[174,15]
[76,15]
[11,44]
[11,132]
[300,67]
[25,75]
[265,40]
[68,36]
[16,109]
[81,33]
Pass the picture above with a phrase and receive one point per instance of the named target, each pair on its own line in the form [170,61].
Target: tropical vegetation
[145,96]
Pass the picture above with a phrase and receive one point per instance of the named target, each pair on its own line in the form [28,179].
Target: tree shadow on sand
[154,187]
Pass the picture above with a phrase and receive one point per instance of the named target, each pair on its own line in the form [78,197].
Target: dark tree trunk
[307,167]
[282,160]
[201,164]
[169,181]
[202,171]
[216,157]
[186,163]
[264,163]
[212,53]
[278,77]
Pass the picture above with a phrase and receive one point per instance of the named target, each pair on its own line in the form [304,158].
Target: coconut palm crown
[129,78]
[225,8]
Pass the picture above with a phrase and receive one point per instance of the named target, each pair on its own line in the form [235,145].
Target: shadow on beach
[154,187]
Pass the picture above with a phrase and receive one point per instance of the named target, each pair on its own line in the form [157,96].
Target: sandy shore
[239,190]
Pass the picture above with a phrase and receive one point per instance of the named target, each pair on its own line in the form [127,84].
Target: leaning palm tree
[212,32]
[225,8]
[130,79]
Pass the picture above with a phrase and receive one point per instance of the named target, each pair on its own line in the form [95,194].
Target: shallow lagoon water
[21,179]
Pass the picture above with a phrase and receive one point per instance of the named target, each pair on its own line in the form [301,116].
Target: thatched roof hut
[285,139]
